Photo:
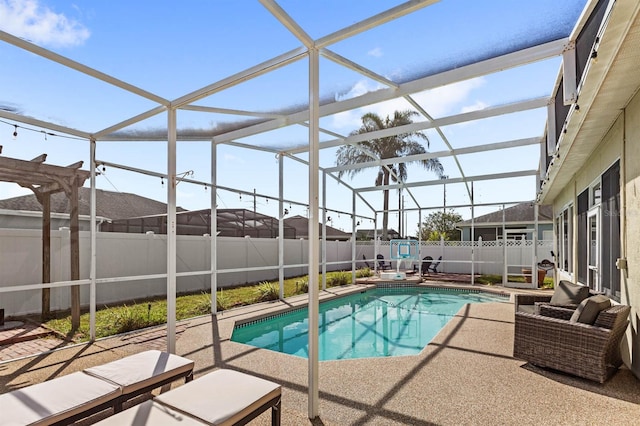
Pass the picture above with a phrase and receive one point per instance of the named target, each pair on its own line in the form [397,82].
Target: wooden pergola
[44,180]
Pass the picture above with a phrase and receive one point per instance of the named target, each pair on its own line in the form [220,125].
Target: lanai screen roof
[251,74]
[477,73]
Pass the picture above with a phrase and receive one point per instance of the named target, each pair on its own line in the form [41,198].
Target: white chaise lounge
[66,399]
[221,398]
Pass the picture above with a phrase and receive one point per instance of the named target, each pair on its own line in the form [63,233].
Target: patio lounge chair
[223,397]
[382,264]
[573,346]
[365,261]
[69,398]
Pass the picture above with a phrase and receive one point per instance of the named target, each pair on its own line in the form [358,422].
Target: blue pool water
[375,323]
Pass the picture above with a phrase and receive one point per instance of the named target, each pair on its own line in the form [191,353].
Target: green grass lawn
[111,320]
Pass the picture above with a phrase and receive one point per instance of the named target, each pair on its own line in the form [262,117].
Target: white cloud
[32,21]
[437,102]
[232,158]
[375,52]
[445,100]
[478,105]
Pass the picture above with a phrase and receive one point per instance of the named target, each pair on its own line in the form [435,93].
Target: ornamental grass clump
[268,291]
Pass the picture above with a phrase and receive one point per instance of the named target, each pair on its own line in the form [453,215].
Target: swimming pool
[380,322]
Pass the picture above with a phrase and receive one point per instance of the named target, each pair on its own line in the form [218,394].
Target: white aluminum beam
[171,231]
[440,122]
[248,74]
[54,57]
[341,60]
[215,110]
[488,66]
[44,124]
[493,176]
[128,122]
[314,244]
[439,154]
[374,21]
[288,22]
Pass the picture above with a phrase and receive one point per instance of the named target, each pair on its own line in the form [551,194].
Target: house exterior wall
[491,231]
[622,142]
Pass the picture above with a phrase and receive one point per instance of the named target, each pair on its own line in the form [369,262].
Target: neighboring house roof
[520,213]
[112,205]
[301,224]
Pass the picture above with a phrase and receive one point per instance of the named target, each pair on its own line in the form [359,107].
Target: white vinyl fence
[136,255]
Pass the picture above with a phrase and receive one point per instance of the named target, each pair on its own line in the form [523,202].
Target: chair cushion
[222,397]
[140,370]
[149,413]
[55,400]
[568,293]
[588,310]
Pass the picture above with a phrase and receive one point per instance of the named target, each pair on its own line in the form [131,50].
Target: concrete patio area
[466,375]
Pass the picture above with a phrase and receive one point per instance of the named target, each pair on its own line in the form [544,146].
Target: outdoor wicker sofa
[591,351]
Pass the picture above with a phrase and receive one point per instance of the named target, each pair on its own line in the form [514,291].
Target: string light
[162,181]
[44,132]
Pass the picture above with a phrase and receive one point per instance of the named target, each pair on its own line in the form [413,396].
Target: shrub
[302,286]
[130,319]
[363,272]
[339,278]
[268,291]
[223,301]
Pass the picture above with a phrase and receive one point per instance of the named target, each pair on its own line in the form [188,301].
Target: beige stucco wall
[621,142]
[630,175]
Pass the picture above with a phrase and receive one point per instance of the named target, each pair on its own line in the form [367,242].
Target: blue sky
[173,48]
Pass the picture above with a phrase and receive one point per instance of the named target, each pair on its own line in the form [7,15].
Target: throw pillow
[588,310]
[568,293]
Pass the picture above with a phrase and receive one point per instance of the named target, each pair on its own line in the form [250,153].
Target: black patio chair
[426,264]
[382,264]
[365,261]
[434,266]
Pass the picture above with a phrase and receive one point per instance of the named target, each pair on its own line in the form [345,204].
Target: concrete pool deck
[466,375]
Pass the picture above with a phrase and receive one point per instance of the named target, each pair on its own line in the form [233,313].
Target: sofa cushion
[568,293]
[588,310]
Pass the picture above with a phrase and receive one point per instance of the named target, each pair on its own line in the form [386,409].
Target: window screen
[611,231]
[583,207]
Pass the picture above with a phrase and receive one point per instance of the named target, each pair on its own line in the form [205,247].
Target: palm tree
[396,146]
